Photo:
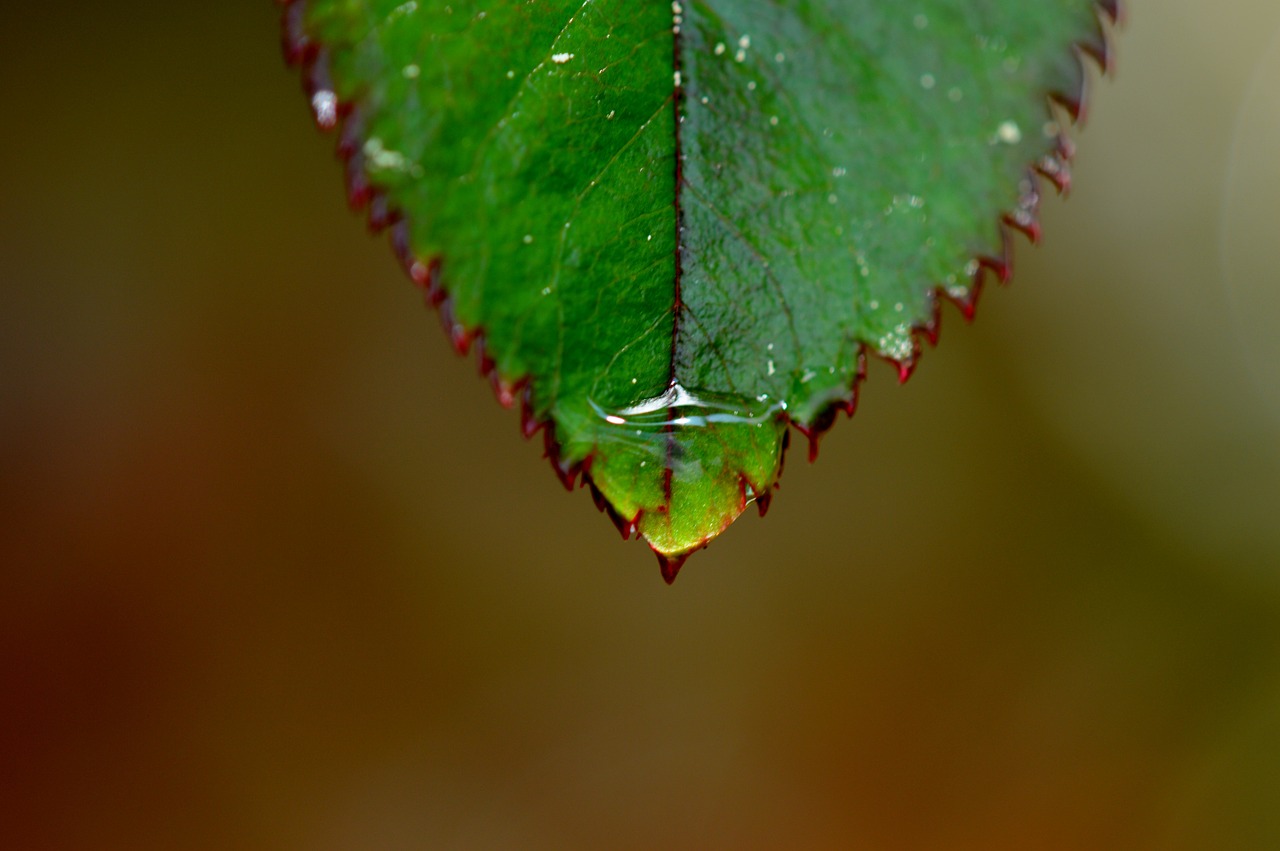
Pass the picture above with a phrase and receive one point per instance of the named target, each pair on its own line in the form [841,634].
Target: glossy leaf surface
[680,228]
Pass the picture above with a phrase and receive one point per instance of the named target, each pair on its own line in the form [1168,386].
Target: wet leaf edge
[310,57]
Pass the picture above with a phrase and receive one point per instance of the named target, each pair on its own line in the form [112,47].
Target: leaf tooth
[1072,103]
[566,471]
[1113,9]
[968,302]
[484,362]
[670,564]
[359,192]
[349,139]
[906,366]
[504,390]
[825,419]
[459,335]
[425,274]
[820,425]
[1099,51]
[626,527]
[1055,169]
[297,46]
[399,240]
[931,327]
[1002,266]
[763,501]
[1026,216]
[597,497]
[761,495]
[529,421]
[1025,223]
[382,213]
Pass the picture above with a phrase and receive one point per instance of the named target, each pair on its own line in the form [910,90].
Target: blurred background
[277,573]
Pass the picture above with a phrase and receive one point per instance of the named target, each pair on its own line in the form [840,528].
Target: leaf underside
[674,229]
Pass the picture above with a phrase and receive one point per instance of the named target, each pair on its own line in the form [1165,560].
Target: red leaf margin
[364,195]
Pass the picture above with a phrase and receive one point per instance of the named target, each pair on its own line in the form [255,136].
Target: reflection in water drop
[679,406]
[1249,246]
[645,427]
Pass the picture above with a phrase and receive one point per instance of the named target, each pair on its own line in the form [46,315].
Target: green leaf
[678,228]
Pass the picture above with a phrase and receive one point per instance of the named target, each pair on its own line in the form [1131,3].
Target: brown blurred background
[277,573]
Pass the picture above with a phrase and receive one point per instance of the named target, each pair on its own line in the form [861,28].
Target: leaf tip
[670,565]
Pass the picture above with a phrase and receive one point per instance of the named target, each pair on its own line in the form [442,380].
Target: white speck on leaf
[1009,133]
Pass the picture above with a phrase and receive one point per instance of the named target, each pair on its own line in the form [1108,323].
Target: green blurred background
[277,573]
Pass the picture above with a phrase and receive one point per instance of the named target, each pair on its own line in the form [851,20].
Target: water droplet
[402,10]
[1009,133]
[380,158]
[324,104]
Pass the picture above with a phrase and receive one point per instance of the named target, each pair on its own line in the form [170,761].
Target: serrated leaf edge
[364,195]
